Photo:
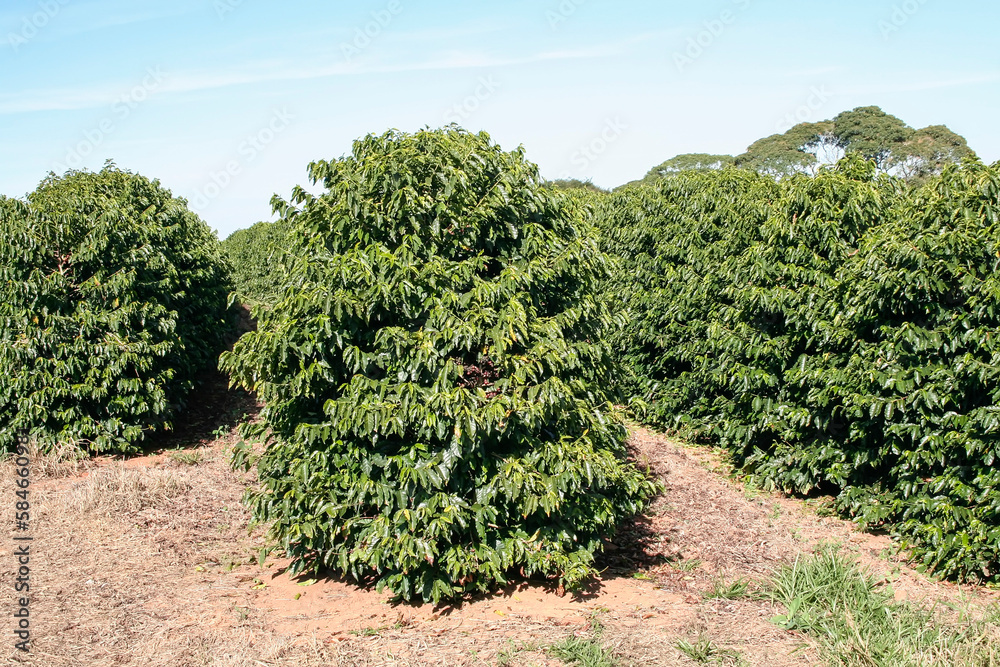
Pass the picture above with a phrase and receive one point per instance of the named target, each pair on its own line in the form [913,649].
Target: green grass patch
[856,620]
[704,651]
[734,590]
[585,652]
[186,457]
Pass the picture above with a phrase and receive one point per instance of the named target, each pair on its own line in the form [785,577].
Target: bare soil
[149,562]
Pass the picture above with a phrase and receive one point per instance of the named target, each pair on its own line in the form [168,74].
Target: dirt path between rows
[161,570]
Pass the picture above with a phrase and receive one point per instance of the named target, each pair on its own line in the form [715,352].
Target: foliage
[922,298]
[670,238]
[112,300]
[435,375]
[257,261]
[780,320]
[869,366]
[840,336]
[690,162]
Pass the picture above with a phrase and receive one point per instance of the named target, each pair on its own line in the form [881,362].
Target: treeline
[868,132]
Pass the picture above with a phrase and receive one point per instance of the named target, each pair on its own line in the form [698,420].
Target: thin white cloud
[122,20]
[816,71]
[256,74]
[83,98]
[59,99]
[65,18]
[451,33]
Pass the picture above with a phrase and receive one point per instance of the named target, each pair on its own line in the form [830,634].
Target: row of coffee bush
[837,334]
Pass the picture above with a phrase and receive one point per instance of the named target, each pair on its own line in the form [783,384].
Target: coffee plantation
[257,258]
[447,346]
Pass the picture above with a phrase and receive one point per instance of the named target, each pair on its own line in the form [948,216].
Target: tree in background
[871,133]
[689,162]
[928,151]
[868,132]
[794,152]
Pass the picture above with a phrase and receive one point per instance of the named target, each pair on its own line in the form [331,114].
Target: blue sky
[227,101]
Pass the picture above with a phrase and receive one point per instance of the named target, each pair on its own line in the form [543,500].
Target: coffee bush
[837,334]
[256,256]
[112,301]
[436,375]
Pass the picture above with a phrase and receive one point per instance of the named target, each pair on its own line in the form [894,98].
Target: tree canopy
[928,151]
[868,132]
[793,152]
[871,133]
[690,162]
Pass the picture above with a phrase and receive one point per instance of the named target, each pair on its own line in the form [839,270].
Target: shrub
[671,240]
[256,258]
[435,375]
[112,300]
[848,345]
[783,327]
[923,301]
[864,358]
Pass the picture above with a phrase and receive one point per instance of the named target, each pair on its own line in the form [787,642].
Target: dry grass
[150,563]
[57,462]
[118,489]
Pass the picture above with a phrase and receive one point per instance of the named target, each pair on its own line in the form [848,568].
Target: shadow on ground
[212,410]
